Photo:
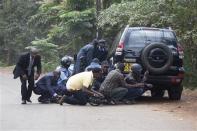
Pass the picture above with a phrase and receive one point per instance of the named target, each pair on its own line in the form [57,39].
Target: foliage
[107,3]
[67,24]
[64,25]
[14,30]
[61,27]
[79,4]
[181,15]
[48,52]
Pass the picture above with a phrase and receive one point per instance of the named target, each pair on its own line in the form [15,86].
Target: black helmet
[136,68]
[102,41]
[95,42]
[66,61]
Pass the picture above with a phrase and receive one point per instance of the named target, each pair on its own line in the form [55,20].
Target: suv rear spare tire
[157,57]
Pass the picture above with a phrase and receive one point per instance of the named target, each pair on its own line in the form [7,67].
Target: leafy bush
[48,50]
[49,66]
[178,14]
[49,54]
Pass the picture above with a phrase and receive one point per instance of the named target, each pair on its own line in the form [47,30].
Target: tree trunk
[8,57]
[98,9]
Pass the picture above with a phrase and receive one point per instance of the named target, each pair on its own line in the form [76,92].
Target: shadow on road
[151,100]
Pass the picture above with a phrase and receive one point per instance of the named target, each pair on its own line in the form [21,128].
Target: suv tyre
[174,93]
[157,93]
[157,57]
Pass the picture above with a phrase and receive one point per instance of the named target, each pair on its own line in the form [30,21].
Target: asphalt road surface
[52,117]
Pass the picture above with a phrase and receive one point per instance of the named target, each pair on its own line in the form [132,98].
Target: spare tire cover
[157,57]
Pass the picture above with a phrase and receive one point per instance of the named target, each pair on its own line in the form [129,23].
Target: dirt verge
[186,108]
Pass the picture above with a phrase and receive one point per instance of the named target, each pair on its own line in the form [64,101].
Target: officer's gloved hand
[56,98]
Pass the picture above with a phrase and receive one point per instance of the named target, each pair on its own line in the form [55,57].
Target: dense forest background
[60,27]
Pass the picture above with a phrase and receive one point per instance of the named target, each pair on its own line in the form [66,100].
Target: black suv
[158,52]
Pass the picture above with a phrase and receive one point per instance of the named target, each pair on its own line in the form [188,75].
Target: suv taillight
[177,79]
[119,49]
[180,51]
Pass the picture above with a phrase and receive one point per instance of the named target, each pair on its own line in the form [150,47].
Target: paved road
[43,117]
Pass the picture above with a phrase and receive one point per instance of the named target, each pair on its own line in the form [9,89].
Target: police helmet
[66,61]
[136,68]
[95,42]
[102,41]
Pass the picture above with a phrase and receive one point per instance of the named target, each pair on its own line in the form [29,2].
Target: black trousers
[40,90]
[27,86]
[76,98]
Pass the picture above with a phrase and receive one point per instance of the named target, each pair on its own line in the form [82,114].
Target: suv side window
[135,39]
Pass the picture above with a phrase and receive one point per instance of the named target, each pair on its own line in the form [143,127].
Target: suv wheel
[174,93]
[157,57]
[157,93]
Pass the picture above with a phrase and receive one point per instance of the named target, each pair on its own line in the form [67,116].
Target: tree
[15,34]
[178,14]
[69,24]
[49,53]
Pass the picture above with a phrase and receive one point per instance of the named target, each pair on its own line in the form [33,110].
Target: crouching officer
[79,87]
[47,87]
[64,70]
[135,77]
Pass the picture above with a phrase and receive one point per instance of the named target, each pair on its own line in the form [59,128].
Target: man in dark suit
[25,70]
[48,87]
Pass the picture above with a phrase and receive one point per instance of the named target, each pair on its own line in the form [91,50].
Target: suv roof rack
[169,28]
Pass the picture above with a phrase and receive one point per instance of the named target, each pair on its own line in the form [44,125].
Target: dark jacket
[48,83]
[101,54]
[86,51]
[23,63]
[113,80]
[84,58]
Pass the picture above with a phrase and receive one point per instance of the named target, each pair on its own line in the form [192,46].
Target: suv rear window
[137,39]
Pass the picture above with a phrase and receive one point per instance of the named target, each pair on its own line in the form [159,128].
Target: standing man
[101,50]
[25,70]
[85,56]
